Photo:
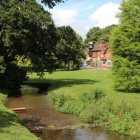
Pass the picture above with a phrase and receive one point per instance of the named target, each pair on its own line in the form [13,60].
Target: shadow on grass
[51,84]
[7,119]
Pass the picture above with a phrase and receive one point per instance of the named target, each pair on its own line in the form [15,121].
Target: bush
[98,94]
[95,108]
[72,106]
[98,112]
[92,96]
[58,100]
[123,118]
[87,97]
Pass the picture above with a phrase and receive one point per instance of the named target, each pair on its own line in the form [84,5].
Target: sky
[83,15]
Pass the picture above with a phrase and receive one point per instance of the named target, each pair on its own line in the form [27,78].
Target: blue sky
[82,15]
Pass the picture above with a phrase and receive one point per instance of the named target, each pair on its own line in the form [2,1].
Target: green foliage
[72,107]
[58,100]
[24,33]
[2,65]
[123,118]
[93,35]
[67,104]
[75,106]
[51,3]
[97,112]
[94,95]
[98,94]
[69,49]
[118,118]
[12,78]
[96,33]
[125,41]
[87,97]
[127,74]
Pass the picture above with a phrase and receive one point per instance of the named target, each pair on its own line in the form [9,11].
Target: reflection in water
[79,134]
[40,112]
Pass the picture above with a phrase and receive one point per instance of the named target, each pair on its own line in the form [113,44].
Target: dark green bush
[99,93]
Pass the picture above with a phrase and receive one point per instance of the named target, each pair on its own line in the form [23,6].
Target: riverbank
[90,95]
[10,127]
[46,122]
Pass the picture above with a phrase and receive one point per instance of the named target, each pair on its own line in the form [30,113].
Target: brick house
[100,54]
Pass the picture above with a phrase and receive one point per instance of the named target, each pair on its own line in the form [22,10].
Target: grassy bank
[10,128]
[90,95]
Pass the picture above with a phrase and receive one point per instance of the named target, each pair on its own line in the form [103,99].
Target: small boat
[19,109]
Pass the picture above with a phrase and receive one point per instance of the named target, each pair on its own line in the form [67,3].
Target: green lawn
[10,128]
[74,83]
[74,91]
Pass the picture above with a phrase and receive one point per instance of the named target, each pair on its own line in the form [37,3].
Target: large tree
[95,33]
[126,48]
[26,31]
[69,49]
[49,3]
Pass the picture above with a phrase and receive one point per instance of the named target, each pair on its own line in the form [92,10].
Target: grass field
[10,128]
[74,83]
[74,92]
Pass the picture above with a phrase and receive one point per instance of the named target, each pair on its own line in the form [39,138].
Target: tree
[26,30]
[95,33]
[69,49]
[106,32]
[51,3]
[125,42]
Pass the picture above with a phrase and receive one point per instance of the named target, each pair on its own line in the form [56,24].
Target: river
[49,124]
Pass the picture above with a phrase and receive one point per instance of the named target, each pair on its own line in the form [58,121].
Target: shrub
[72,106]
[58,100]
[87,97]
[123,118]
[97,112]
[98,94]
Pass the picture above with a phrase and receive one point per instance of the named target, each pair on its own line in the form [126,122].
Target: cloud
[102,17]
[64,17]
[105,15]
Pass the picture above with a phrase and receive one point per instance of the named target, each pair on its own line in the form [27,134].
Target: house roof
[98,47]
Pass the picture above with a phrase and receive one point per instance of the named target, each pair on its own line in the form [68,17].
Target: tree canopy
[95,33]
[69,48]
[29,40]
[23,32]
[126,48]
[51,3]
